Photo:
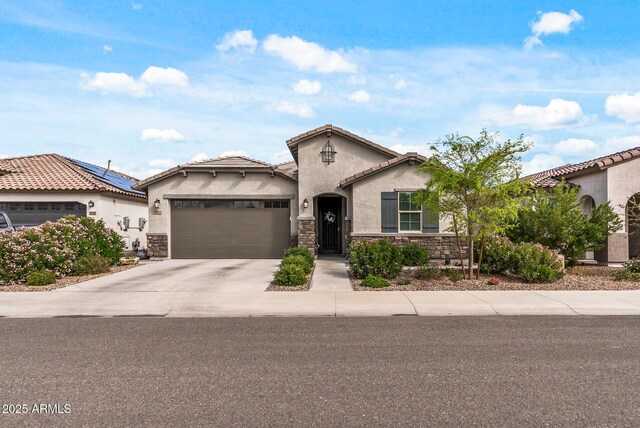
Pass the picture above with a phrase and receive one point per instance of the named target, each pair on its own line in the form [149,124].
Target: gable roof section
[52,172]
[411,156]
[228,163]
[328,129]
[553,177]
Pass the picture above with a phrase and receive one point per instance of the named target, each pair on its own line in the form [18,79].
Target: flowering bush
[530,262]
[55,247]
[494,281]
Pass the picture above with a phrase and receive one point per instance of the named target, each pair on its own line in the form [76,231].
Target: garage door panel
[229,233]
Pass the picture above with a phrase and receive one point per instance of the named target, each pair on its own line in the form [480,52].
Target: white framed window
[409,213]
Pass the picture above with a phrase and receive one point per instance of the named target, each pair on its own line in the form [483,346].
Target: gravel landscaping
[63,282]
[577,278]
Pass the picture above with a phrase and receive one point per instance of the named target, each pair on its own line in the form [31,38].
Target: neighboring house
[614,178]
[35,189]
[339,187]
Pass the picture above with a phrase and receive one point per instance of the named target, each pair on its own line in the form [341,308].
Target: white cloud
[200,157]
[308,55]
[550,23]
[119,83]
[557,114]
[541,162]
[122,83]
[136,6]
[162,163]
[300,110]
[281,156]
[360,96]
[242,39]
[169,76]
[624,106]
[406,148]
[397,131]
[618,144]
[400,84]
[107,48]
[228,153]
[307,87]
[575,147]
[161,135]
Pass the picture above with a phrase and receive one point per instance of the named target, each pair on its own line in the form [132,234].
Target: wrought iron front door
[330,225]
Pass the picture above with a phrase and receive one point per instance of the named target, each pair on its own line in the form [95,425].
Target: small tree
[476,184]
[555,218]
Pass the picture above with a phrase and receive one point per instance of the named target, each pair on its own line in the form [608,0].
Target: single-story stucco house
[38,188]
[614,178]
[339,187]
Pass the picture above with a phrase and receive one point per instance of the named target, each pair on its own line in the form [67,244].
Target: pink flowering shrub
[530,262]
[55,247]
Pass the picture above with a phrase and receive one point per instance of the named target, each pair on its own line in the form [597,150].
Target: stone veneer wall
[307,233]
[347,231]
[158,244]
[439,247]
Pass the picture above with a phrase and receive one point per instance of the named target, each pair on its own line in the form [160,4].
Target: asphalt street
[399,371]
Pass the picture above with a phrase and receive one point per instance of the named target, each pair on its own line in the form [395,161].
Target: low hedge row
[295,267]
[68,246]
[382,258]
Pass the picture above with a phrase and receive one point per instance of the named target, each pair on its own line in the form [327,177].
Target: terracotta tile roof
[52,172]
[231,162]
[382,166]
[226,162]
[552,177]
[293,142]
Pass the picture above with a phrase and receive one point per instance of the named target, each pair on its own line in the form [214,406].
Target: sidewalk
[320,303]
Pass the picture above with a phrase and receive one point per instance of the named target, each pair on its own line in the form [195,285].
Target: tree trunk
[455,229]
[470,250]
[480,257]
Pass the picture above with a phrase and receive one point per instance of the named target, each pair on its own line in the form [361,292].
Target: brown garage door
[220,229]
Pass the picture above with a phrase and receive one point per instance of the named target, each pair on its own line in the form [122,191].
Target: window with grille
[409,212]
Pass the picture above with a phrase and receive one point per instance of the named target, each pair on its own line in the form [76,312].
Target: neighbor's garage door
[219,229]
[35,213]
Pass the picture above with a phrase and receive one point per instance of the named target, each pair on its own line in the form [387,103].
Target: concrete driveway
[187,276]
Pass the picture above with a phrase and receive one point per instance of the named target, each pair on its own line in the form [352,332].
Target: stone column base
[158,245]
[307,233]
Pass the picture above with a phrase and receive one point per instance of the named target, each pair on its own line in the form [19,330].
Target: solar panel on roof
[109,177]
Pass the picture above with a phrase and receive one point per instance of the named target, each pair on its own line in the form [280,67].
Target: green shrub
[375,282]
[630,272]
[300,251]
[530,262]
[379,258]
[41,277]
[290,274]
[90,265]
[453,274]
[428,273]
[414,255]
[404,282]
[299,261]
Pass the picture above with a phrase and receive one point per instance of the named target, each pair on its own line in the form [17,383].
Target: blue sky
[153,84]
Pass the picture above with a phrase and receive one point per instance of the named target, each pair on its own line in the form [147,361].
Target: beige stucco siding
[226,183]
[316,177]
[110,208]
[367,195]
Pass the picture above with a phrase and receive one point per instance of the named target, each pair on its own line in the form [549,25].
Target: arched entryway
[330,213]
[632,224]
[587,203]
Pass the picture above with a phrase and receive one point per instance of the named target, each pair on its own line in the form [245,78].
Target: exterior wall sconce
[91,204]
[156,204]
[305,203]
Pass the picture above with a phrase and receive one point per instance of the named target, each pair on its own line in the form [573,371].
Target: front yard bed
[63,282]
[304,287]
[577,278]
